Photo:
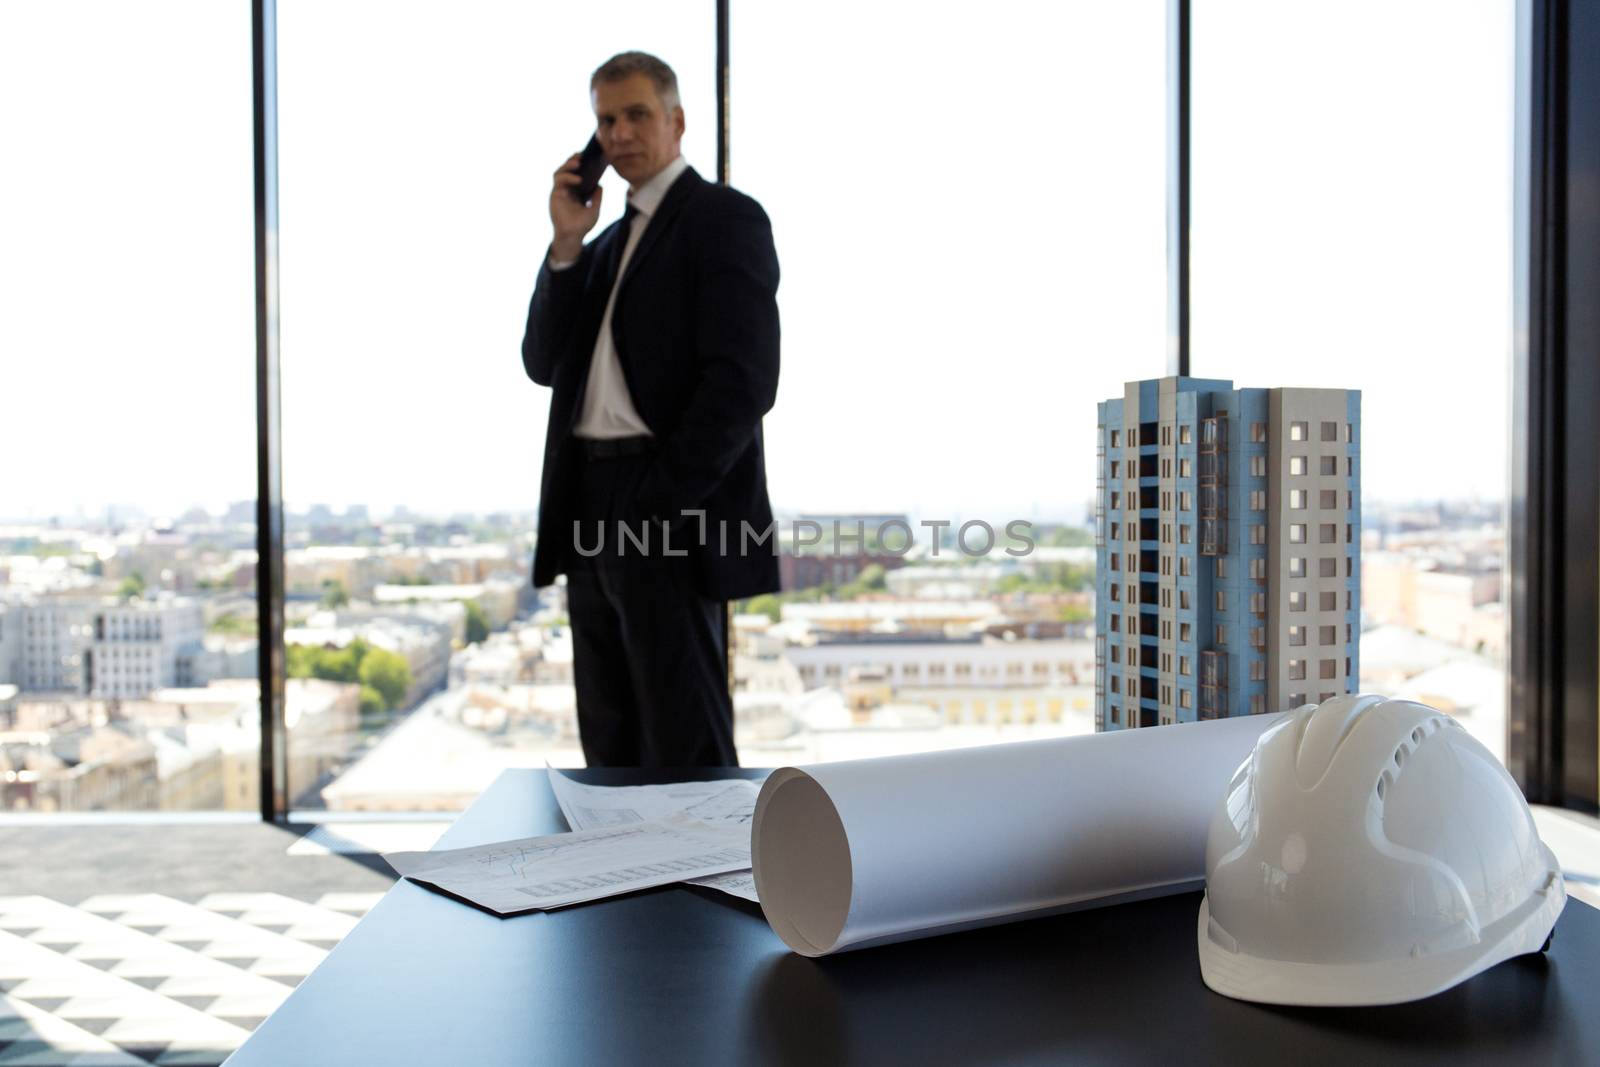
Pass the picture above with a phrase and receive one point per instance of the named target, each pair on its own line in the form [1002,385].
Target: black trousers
[649,651]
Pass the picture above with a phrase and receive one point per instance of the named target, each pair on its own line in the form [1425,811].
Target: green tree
[477,623]
[132,586]
[333,594]
[1076,613]
[386,672]
[371,701]
[765,604]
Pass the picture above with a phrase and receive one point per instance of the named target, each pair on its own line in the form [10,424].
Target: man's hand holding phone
[571,218]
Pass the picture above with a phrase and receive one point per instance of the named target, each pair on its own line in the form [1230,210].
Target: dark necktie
[626,230]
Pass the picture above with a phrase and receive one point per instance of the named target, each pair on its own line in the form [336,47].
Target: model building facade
[1228,537]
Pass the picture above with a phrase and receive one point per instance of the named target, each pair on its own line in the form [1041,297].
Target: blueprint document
[727,802]
[538,873]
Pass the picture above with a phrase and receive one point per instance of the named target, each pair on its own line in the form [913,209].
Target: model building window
[1116,684]
[1329,668]
[1183,567]
[1296,699]
[1116,439]
[1258,638]
[1328,601]
[1114,557]
[1258,669]
[1116,593]
[1185,631]
[1258,569]
[1349,533]
[1183,600]
[1115,464]
[1221,567]
[1349,567]
[1297,635]
[1297,670]
[1133,438]
[1258,433]
[1327,568]
[1258,602]
[1258,533]
[1185,435]
[1329,533]
[1329,465]
[1258,500]
[1166,468]
[1297,601]
[1350,433]
[1116,624]
[1220,636]
[1185,501]
[1114,528]
[1297,500]
[1185,468]
[1299,431]
[1116,499]
[1297,566]
[1258,704]
[1166,435]
[1297,533]
[1329,498]
[1297,465]
[1258,466]
[1330,431]
[1222,600]
[1185,532]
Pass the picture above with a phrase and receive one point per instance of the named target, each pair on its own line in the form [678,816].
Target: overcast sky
[968,204]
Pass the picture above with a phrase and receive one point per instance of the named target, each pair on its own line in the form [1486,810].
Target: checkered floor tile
[142,979]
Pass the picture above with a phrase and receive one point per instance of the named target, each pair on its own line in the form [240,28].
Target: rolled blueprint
[867,852]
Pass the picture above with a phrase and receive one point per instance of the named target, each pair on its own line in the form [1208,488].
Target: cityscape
[421,662]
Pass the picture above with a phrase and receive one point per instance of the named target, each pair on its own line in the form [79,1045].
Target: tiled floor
[147,978]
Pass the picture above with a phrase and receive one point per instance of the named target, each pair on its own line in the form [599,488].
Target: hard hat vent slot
[1400,756]
[1416,736]
[1383,784]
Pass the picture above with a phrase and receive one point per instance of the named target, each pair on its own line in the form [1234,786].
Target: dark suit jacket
[696,331]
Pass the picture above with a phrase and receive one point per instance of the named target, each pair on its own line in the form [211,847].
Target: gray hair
[627,64]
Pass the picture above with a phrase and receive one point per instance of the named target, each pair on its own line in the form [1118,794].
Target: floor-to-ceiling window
[968,203]
[417,143]
[127,443]
[1352,222]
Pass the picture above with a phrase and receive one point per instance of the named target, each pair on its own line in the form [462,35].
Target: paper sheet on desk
[725,802]
[871,851]
[538,873]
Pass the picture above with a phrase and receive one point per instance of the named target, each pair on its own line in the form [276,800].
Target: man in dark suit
[659,340]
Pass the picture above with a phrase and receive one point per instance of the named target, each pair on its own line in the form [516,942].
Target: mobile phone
[591,164]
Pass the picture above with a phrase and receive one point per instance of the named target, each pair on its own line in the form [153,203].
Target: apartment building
[1228,550]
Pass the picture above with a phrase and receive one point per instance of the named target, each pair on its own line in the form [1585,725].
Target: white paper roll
[867,852]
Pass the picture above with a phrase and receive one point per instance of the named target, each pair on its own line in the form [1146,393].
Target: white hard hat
[1370,851]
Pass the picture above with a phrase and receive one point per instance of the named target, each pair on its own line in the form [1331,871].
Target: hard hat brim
[1242,976]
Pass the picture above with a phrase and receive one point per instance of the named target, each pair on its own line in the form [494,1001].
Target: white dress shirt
[607,410]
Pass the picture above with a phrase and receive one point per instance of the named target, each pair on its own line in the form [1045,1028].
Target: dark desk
[681,975]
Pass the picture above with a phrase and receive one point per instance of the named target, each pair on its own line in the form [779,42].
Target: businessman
[659,342]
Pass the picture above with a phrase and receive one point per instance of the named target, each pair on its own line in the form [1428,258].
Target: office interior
[272,467]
